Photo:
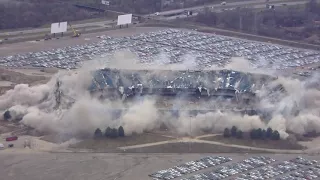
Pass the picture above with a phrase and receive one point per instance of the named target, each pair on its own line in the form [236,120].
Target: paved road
[230,5]
[210,142]
[100,24]
[47,30]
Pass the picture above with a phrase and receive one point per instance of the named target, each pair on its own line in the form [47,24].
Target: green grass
[112,144]
[270,144]
[191,148]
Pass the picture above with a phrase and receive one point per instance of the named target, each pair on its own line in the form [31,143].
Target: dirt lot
[11,77]
[109,144]
[270,144]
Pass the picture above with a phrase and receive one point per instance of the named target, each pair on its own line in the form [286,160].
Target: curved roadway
[197,140]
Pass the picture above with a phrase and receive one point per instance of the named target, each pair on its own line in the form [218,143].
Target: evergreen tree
[234,131]
[276,135]
[253,134]
[108,132]
[259,133]
[98,133]
[7,115]
[114,133]
[239,134]
[226,132]
[121,131]
[263,134]
[269,133]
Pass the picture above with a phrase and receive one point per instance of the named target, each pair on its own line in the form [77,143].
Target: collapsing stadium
[219,83]
[237,88]
[142,100]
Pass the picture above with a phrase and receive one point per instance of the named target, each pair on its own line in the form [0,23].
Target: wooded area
[286,22]
[25,14]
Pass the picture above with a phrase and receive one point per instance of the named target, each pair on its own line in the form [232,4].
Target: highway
[224,8]
[108,23]
[47,30]
[229,5]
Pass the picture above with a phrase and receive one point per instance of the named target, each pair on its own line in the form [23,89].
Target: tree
[269,133]
[226,132]
[114,133]
[239,134]
[253,134]
[7,115]
[276,135]
[98,133]
[234,131]
[263,134]
[108,132]
[259,133]
[121,131]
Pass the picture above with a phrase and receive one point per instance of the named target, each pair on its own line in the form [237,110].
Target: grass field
[190,148]
[109,144]
[270,144]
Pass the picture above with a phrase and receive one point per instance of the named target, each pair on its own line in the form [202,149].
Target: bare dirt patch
[110,144]
[270,144]
[12,77]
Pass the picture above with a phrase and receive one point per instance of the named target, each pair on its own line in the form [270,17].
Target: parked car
[12,138]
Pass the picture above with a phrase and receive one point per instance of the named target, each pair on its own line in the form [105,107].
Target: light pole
[190,133]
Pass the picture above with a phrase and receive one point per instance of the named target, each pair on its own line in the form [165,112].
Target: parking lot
[252,168]
[127,166]
[170,46]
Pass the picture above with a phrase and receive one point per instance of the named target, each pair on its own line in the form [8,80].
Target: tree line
[286,22]
[109,132]
[254,133]
[234,132]
[26,14]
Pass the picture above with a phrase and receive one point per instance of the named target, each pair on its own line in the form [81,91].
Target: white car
[1,146]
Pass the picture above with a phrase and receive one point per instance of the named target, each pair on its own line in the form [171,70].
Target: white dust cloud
[80,114]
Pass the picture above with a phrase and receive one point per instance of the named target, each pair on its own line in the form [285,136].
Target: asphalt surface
[231,5]
[96,166]
[226,8]
[47,30]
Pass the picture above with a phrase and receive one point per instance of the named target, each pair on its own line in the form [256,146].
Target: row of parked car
[233,169]
[305,174]
[190,167]
[169,46]
[270,171]
[259,168]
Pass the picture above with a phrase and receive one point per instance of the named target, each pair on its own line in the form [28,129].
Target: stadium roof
[212,80]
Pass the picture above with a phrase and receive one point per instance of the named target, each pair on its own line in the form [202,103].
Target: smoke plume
[79,113]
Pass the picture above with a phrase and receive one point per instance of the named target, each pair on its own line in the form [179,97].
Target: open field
[34,76]
[190,147]
[270,144]
[109,144]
